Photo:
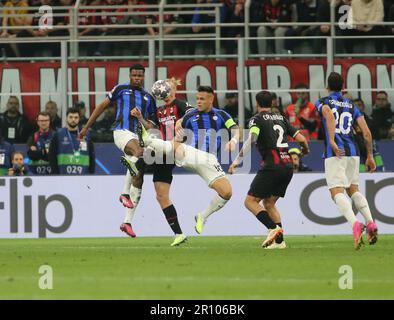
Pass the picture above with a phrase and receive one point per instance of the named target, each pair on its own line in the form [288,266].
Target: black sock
[280,238]
[140,164]
[265,219]
[172,219]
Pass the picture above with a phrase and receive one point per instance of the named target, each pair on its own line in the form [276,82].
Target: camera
[18,169]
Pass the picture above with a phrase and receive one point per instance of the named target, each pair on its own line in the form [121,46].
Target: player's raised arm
[370,162]
[252,139]
[96,113]
[330,121]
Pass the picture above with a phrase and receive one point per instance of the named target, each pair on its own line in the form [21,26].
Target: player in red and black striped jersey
[269,132]
[169,114]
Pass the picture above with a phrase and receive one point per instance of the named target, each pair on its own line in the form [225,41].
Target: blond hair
[174,83]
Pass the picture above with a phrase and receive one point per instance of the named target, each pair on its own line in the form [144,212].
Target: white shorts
[342,172]
[205,164]
[122,138]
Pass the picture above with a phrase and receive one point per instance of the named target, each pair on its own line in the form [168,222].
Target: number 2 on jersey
[281,132]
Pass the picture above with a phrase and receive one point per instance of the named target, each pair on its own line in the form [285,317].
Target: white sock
[362,205]
[344,206]
[161,146]
[216,204]
[135,196]
[127,183]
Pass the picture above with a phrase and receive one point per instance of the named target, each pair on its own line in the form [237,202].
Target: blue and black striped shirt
[209,123]
[128,98]
[345,114]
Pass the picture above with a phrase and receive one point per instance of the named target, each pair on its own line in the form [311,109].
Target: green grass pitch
[203,268]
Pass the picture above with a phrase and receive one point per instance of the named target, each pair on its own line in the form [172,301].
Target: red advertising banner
[89,81]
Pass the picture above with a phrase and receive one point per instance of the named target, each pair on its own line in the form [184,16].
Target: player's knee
[226,193]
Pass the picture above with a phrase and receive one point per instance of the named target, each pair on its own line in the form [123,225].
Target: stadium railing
[160,11]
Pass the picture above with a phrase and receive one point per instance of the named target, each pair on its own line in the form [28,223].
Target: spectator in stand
[382,115]
[111,16]
[303,115]
[236,14]
[371,125]
[272,12]
[51,108]
[6,151]
[390,29]
[391,133]
[205,47]
[231,108]
[276,106]
[363,11]
[18,165]
[324,30]
[298,165]
[15,7]
[102,130]
[38,145]
[306,12]
[14,126]
[80,105]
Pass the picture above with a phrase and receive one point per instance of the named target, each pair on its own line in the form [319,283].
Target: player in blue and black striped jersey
[134,106]
[341,154]
[207,123]
[205,164]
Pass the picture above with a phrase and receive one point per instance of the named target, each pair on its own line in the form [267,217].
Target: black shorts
[161,172]
[269,183]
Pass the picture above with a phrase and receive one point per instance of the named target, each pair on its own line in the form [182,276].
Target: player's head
[205,96]
[263,100]
[334,82]
[174,83]
[43,121]
[137,75]
[73,118]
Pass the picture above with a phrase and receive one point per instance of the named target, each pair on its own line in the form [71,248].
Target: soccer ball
[161,89]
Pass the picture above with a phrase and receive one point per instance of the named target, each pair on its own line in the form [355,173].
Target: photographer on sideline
[18,167]
[6,151]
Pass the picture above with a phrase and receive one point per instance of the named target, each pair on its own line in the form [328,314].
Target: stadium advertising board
[99,77]
[88,206]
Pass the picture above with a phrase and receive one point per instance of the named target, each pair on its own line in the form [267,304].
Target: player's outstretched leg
[224,192]
[362,206]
